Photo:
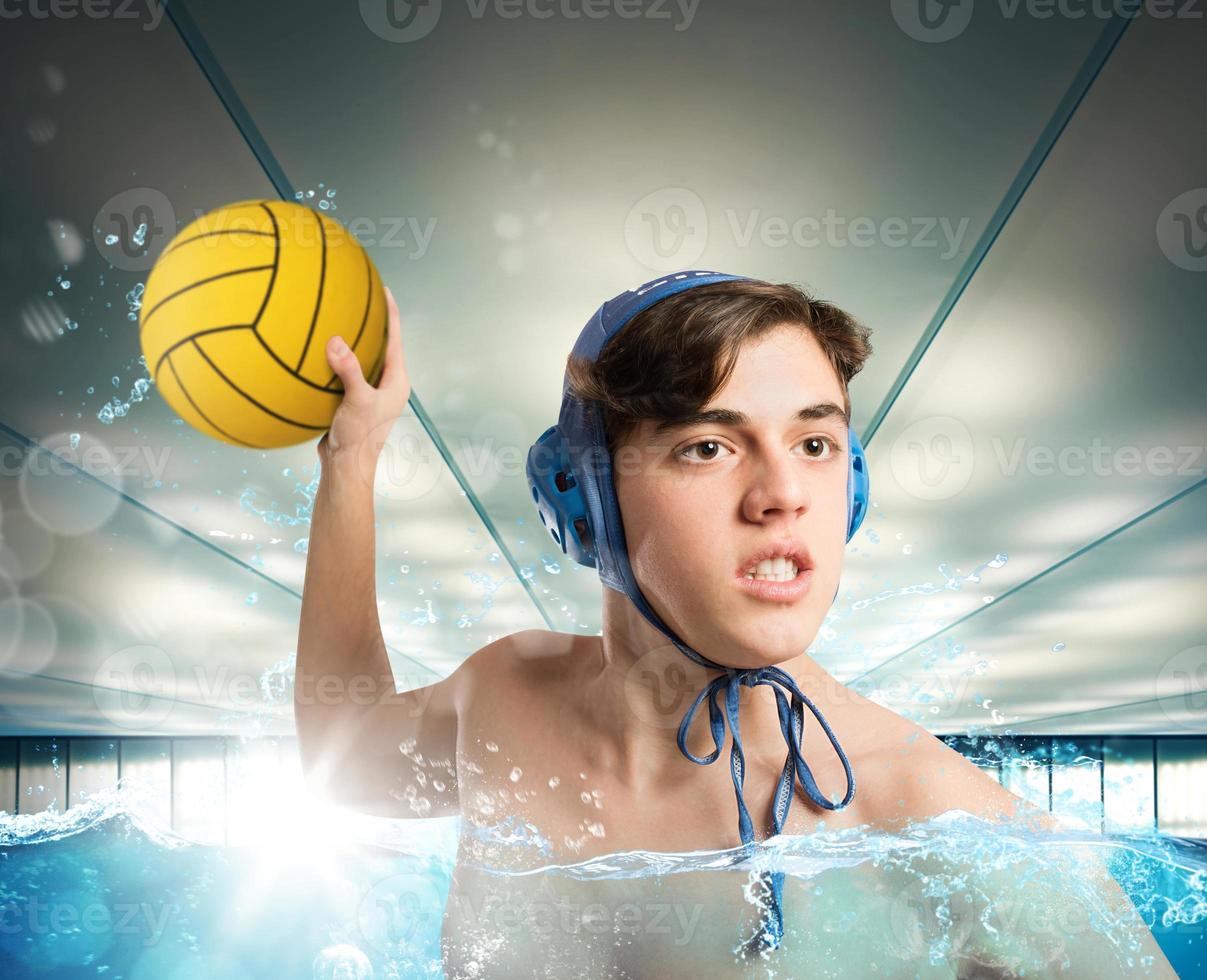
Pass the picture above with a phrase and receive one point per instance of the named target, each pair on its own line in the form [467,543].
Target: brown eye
[709,449]
[818,443]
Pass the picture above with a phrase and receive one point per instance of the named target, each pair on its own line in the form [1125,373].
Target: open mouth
[775,580]
[773,570]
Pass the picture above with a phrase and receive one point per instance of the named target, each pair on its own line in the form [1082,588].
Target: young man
[725,414]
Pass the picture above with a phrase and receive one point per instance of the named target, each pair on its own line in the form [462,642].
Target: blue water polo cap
[570,476]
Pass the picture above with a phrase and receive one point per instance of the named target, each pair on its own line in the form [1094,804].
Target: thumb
[344,363]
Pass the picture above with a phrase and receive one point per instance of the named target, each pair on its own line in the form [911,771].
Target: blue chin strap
[570,475]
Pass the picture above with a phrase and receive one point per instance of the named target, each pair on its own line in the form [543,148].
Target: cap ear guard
[857,485]
[559,498]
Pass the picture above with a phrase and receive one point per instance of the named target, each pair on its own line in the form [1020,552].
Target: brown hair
[669,360]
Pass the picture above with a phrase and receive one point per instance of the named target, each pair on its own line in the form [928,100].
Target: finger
[394,369]
[344,363]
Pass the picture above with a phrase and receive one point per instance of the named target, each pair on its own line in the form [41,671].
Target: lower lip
[768,591]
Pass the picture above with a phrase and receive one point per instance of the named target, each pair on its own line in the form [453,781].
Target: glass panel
[1026,772]
[1077,782]
[258,789]
[92,764]
[1130,607]
[43,783]
[249,509]
[1128,784]
[199,789]
[147,778]
[8,775]
[1182,786]
[1062,399]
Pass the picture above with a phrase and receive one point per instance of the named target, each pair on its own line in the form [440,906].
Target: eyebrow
[819,412]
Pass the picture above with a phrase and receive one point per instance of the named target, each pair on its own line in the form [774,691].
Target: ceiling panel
[80,163]
[1119,625]
[559,160]
[1063,398]
[507,175]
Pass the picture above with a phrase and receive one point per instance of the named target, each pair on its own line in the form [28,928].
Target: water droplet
[492,747]
[1057,647]
[515,775]
[75,440]
[553,782]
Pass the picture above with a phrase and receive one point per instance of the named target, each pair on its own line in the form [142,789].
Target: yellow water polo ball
[237,312]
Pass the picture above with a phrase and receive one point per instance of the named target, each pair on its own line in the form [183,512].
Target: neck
[639,685]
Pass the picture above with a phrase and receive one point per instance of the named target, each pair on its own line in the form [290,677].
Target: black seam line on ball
[197,409]
[273,354]
[181,343]
[276,262]
[212,234]
[318,300]
[263,408]
[364,319]
[180,292]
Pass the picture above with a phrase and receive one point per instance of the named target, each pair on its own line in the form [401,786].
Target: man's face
[698,500]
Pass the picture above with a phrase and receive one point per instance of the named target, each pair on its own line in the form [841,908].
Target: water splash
[952,581]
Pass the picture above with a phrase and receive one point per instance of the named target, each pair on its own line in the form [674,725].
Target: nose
[779,487]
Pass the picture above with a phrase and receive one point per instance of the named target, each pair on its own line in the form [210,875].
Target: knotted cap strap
[792,725]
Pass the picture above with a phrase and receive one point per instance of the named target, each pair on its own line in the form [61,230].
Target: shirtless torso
[525,752]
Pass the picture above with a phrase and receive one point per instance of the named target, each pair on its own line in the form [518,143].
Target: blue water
[99,892]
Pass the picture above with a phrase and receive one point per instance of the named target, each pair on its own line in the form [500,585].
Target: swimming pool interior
[1011,209]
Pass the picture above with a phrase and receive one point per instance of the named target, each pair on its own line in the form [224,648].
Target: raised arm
[362,744]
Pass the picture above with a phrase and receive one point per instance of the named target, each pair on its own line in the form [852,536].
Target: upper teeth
[774,569]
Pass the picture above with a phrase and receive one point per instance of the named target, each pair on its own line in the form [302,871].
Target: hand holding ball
[237,315]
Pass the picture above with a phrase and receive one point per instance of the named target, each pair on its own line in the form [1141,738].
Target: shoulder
[543,653]
[523,667]
[912,775]
[942,779]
